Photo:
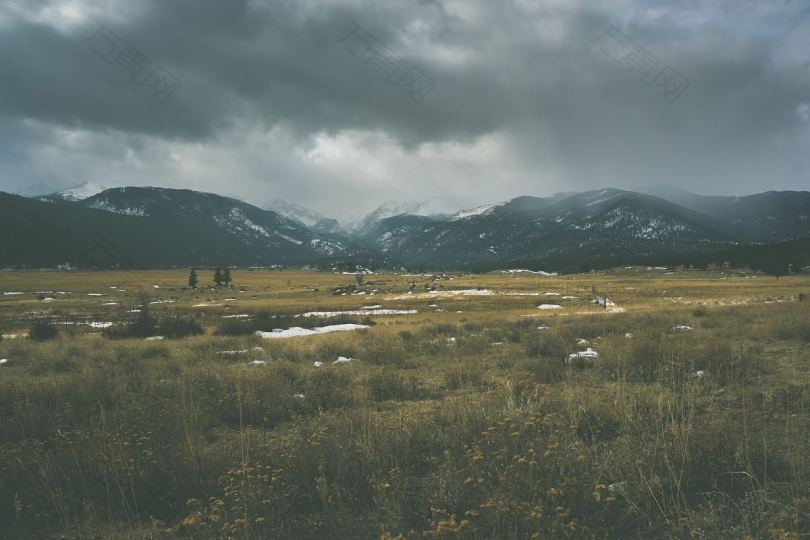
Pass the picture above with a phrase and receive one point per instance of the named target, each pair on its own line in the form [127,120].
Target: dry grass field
[464,412]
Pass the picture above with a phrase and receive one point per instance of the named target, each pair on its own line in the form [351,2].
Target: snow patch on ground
[359,312]
[524,271]
[297,331]
[95,324]
[442,294]
[587,353]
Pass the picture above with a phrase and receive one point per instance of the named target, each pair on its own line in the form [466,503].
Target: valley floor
[500,405]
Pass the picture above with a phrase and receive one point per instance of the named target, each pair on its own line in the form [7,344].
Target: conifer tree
[226,275]
[192,279]
[218,276]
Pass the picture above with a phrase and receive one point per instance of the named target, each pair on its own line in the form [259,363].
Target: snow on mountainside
[77,193]
[473,212]
[435,208]
[291,210]
[305,216]
[109,206]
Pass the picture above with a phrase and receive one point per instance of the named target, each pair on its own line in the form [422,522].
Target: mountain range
[88,225]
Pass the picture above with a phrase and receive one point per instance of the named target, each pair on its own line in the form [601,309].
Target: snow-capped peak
[304,215]
[79,192]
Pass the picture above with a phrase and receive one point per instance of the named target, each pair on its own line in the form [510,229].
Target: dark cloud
[272,104]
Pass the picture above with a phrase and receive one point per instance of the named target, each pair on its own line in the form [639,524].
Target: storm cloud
[526,98]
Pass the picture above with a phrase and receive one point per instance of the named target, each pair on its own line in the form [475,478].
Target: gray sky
[530,97]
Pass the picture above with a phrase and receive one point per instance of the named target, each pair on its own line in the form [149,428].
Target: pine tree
[192,279]
[218,276]
[226,276]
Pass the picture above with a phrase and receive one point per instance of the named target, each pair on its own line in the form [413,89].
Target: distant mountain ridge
[161,226]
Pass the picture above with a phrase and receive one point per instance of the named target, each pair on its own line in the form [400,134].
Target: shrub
[544,345]
[178,327]
[444,328]
[329,388]
[463,375]
[390,385]
[143,327]
[42,330]
[597,423]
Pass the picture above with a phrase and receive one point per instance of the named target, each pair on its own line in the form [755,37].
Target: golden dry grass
[460,421]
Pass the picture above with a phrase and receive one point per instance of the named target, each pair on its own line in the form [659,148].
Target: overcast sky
[340,105]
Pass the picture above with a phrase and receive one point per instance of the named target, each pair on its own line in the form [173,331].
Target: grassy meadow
[468,419]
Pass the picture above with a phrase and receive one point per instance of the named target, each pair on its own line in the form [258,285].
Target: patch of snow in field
[569,297]
[543,327]
[96,294]
[257,363]
[443,294]
[95,324]
[359,312]
[549,306]
[376,306]
[681,328]
[3,361]
[551,294]
[317,364]
[343,360]
[297,331]
[12,293]
[587,353]
[207,305]
[524,271]
[110,304]
[155,338]
[162,302]
[239,316]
